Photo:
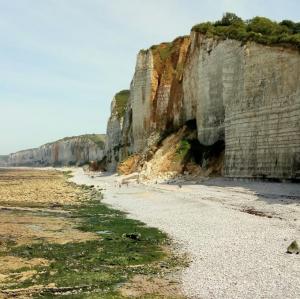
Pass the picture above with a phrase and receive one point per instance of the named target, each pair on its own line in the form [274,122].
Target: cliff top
[99,139]
[259,29]
[121,99]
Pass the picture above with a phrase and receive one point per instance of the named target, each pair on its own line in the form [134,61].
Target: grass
[162,53]
[169,60]
[259,29]
[121,102]
[99,139]
[183,149]
[164,50]
[68,174]
[98,266]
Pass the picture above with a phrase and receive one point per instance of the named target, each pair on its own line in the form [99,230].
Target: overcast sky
[61,61]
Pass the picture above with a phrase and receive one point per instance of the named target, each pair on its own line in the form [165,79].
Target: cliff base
[177,153]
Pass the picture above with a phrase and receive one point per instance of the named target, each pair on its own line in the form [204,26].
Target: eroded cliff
[238,93]
[68,151]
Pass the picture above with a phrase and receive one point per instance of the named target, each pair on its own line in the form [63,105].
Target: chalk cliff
[249,96]
[3,160]
[115,131]
[242,94]
[68,151]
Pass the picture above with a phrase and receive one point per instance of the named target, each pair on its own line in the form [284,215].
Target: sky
[62,61]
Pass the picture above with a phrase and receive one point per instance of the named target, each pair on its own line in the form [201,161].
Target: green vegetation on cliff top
[121,102]
[259,29]
[164,50]
[98,139]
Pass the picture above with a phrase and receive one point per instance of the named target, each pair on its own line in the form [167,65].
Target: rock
[293,248]
[133,236]
[129,178]
[56,205]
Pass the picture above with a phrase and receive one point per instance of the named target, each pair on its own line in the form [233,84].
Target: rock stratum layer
[69,151]
[246,95]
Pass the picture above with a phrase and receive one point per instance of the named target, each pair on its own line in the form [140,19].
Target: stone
[293,248]
[133,236]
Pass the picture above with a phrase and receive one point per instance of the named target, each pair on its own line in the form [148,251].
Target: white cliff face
[113,133]
[68,151]
[246,95]
[262,113]
[118,141]
[141,92]
[203,86]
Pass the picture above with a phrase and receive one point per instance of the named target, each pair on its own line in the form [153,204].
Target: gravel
[234,254]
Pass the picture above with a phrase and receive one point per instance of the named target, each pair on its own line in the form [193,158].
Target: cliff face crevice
[65,152]
[246,95]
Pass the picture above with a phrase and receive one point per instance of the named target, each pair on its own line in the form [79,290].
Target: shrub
[262,25]
[258,29]
[291,26]
[228,19]
[183,149]
[165,51]
[203,27]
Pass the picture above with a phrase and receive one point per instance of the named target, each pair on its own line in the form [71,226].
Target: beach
[236,233]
